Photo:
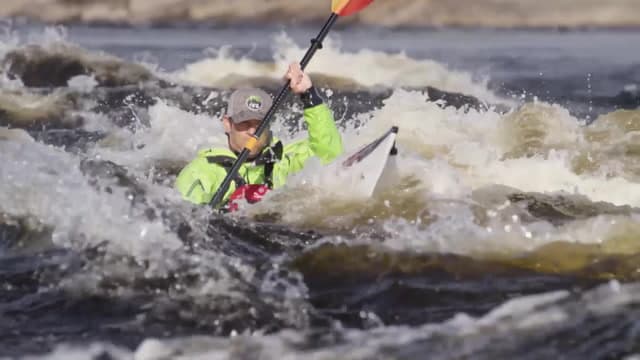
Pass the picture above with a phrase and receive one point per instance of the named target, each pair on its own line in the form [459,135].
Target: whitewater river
[512,229]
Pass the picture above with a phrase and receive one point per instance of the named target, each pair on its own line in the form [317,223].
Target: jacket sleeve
[323,141]
[324,138]
[199,180]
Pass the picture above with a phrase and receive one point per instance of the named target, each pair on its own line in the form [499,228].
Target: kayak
[370,169]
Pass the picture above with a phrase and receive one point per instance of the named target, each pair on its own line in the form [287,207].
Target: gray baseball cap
[248,104]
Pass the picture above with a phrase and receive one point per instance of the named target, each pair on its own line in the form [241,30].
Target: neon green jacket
[200,179]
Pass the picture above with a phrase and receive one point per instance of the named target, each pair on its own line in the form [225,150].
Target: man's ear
[226,123]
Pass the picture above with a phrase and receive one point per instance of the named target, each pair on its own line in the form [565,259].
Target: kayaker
[270,165]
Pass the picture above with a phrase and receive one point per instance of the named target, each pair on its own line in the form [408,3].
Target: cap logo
[254,103]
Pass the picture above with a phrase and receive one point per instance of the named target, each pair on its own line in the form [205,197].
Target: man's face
[240,133]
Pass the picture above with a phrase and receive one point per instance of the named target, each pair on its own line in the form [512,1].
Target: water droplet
[615,286]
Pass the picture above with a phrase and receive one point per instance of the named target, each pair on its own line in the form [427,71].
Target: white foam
[366,67]
[78,352]
[174,135]
[82,83]
[43,182]
[476,143]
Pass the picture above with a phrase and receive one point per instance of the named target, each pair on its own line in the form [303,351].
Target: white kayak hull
[371,168]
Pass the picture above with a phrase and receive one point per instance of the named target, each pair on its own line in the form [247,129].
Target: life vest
[252,193]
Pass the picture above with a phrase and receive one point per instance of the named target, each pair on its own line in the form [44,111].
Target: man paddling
[271,162]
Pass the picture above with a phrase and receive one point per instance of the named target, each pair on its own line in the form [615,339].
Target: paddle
[338,8]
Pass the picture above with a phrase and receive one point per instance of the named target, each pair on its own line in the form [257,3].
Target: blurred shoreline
[490,14]
[275,26]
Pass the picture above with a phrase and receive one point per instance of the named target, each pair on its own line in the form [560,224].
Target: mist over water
[511,229]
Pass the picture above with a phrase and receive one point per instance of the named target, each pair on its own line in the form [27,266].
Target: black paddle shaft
[264,124]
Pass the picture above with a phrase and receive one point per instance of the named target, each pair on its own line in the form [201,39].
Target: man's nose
[252,130]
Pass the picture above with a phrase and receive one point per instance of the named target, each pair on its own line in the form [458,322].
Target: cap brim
[246,116]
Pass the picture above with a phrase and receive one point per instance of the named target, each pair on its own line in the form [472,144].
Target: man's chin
[253,156]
